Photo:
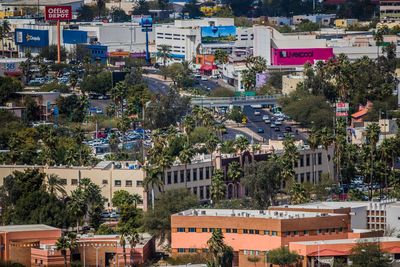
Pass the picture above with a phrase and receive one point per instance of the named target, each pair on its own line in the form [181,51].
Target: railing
[215,100]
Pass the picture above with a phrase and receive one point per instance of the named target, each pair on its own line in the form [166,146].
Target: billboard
[74,37]
[31,38]
[218,34]
[146,22]
[300,56]
[342,109]
[58,13]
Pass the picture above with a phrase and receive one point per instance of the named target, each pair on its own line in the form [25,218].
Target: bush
[193,258]
[222,92]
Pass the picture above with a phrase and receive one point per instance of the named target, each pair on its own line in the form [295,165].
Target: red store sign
[58,13]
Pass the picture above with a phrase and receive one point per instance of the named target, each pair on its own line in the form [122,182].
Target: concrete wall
[393,217]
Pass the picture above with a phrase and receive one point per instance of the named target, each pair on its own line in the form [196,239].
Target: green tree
[62,245]
[55,185]
[164,52]
[289,159]
[298,194]
[254,65]
[282,256]
[326,139]
[5,29]
[122,197]
[142,8]
[241,145]
[192,8]
[217,188]
[372,138]
[368,254]
[235,173]
[222,254]
[221,56]
[158,221]
[151,181]
[8,86]
[50,53]
[86,13]
[185,157]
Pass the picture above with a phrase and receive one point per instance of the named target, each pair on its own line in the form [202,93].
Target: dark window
[295,233]
[74,181]
[117,183]
[207,192]
[319,158]
[204,230]
[182,176]
[301,160]
[128,183]
[305,232]
[181,229]
[194,174]
[139,183]
[63,181]
[234,231]
[301,177]
[175,177]
[228,230]
[207,172]
[274,233]
[168,177]
[188,176]
[266,232]
[192,250]
[245,231]
[308,176]
[195,190]
[307,160]
[257,232]
[201,173]
[181,250]
[105,182]
[211,230]
[251,231]
[201,192]
[192,230]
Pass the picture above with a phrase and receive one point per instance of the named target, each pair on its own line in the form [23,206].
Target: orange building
[327,251]
[17,241]
[253,232]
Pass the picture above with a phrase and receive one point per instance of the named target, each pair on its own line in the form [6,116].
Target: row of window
[308,160]
[117,183]
[199,191]
[191,174]
[191,250]
[306,177]
[258,232]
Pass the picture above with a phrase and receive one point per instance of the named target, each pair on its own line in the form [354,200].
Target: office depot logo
[58,13]
[30,38]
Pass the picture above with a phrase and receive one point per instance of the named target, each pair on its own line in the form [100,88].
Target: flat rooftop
[26,228]
[335,204]
[144,238]
[350,241]
[264,214]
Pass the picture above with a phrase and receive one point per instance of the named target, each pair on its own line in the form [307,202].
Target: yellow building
[209,11]
[345,23]
[10,13]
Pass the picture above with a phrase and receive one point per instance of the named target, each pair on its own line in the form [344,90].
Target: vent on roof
[203,212]
[324,214]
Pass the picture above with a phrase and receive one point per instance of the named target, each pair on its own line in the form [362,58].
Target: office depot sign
[293,57]
[58,13]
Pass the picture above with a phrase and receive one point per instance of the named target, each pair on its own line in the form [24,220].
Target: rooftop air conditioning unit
[203,212]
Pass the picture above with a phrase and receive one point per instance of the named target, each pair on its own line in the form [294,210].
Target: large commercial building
[389,10]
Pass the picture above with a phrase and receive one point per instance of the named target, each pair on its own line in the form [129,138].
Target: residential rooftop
[26,228]
[335,204]
[264,214]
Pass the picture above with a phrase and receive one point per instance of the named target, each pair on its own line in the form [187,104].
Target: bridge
[235,101]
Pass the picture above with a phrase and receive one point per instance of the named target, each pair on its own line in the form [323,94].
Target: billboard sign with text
[300,56]
[218,34]
[58,13]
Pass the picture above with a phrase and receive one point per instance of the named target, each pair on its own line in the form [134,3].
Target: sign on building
[58,13]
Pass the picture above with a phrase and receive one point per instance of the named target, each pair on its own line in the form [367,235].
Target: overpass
[235,101]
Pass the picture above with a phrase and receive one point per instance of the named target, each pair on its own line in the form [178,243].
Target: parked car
[260,130]
[288,129]
[265,117]
[257,113]
[267,121]
[204,78]
[278,123]
[277,129]
[273,125]
[105,214]
[280,137]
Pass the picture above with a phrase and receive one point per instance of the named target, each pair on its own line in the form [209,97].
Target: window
[195,190]
[274,233]
[251,231]
[205,250]
[181,250]
[245,231]
[188,176]
[117,183]
[228,230]
[128,183]
[207,192]
[201,192]
[168,177]
[63,181]
[105,182]
[175,177]
[257,232]
[301,177]
[182,176]
[211,230]
[308,176]
[307,160]
[207,172]
[139,183]
[201,173]
[301,161]
[234,231]
[319,158]
[266,232]
[295,233]
[74,181]
[305,232]
[192,230]
[181,230]
[194,174]
[204,230]
[245,252]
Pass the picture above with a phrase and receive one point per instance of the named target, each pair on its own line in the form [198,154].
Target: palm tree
[388,151]
[326,139]
[234,174]
[188,125]
[152,180]
[241,145]
[118,94]
[62,245]
[43,69]
[55,185]
[222,253]
[289,158]
[5,29]
[211,144]
[164,52]
[313,142]
[77,207]
[298,194]
[122,242]
[372,137]
[185,157]
[217,186]
[137,199]
[133,239]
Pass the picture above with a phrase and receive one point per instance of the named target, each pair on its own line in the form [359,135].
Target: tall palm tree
[55,185]
[188,125]
[241,145]
[298,194]
[211,144]
[151,181]
[77,207]
[133,239]
[222,254]
[217,186]
[372,137]
[388,152]
[122,242]
[164,52]
[234,174]
[118,93]
[326,139]
[185,157]
[62,245]
[5,29]
[313,142]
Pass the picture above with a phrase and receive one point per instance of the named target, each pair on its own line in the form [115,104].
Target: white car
[267,121]
[280,119]
[278,122]
[257,113]
[204,78]
[265,117]
[273,125]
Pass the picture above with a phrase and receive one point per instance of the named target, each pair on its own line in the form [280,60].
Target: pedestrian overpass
[234,101]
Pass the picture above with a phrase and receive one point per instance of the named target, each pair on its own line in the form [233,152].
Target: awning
[359,113]
[329,252]
[208,67]
[393,250]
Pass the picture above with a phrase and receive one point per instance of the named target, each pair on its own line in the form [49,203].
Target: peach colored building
[327,251]
[17,241]
[253,232]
